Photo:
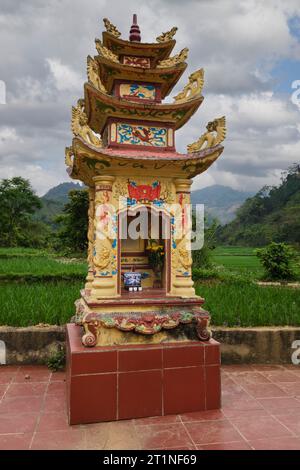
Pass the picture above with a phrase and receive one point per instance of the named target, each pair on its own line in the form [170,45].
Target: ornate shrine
[124,150]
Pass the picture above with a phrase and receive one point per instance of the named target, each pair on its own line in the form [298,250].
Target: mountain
[60,193]
[273,214]
[53,202]
[220,202]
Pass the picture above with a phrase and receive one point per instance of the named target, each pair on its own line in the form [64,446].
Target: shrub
[204,273]
[57,361]
[276,260]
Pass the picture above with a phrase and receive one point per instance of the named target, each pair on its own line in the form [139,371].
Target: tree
[18,202]
[276,259]
[73,222]
[202,257]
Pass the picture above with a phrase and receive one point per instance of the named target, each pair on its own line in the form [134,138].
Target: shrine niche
[139,289]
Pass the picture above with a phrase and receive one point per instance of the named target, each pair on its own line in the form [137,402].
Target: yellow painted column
[105,246]
[182,284]
[90,236]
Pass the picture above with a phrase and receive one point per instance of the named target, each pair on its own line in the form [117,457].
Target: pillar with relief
[139,298]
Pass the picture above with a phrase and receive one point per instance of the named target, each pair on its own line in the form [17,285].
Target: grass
[240,260]
[30,304]
[232,298]
[230,303]
[244,262]
[40,267]
[247,304]
[20,252]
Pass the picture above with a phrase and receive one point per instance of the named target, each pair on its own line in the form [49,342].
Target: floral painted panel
[143,62]
[141,135]
[135,90]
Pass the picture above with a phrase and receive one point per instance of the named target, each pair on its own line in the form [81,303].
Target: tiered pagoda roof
[127,81]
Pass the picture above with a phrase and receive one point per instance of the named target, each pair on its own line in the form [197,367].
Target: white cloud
[238,43]
[64,76]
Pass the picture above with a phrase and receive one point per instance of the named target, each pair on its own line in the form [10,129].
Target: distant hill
[273,214]
[60,193]
[220,202]
[53,202]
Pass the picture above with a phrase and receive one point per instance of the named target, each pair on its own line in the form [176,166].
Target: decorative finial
[135,33]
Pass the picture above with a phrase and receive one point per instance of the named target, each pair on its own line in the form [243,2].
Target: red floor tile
[279,405]
[291,421]
[13,423]
[282,376]
[290,388]
[56,388]
[244,403]
[3,388]
[21,404]
[282,443]
[237,368]
[32,374]
[15,441]
[267,367]
[59,440]
[292,369]
[260,427]
[210,415]
[245,378]
[34,410]
[163,436]
[54,421]
[119,435]
[54,403]
[157,420]
[264,390]
[12,369]
[187,447]
[26,389]
[7,377]
[227,381]
[212,432]
[236,413]
[238,445]
[58,376]
[234,391]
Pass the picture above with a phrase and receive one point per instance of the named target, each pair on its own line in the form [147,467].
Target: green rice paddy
[235,300]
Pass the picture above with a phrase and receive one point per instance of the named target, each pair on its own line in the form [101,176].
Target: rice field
[231,304]
[243,261]
[40,267]
[247,304]
[37,287]
[25,304]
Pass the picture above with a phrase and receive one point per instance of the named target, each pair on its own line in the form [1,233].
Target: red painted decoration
[144,192]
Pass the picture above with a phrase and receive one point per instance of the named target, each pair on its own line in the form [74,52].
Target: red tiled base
[137,381]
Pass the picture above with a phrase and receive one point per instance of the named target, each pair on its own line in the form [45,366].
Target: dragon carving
[175,60]
[216,133]
[194,87]
[111,28]
[168,36]
[80,127]
[106,53]
[69,154]
[93,74]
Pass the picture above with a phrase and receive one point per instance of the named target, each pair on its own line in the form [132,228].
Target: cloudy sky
[250,51]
